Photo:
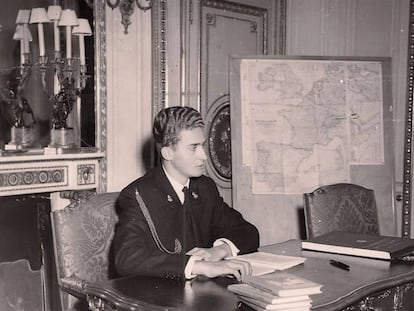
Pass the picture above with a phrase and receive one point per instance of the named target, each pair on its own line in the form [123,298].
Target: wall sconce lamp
[127,8]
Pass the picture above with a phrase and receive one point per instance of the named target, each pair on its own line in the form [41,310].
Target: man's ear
[167,153]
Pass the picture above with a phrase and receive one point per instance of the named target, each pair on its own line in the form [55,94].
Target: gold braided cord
[177,248]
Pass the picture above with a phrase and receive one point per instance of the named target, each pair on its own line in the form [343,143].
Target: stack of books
[276,291]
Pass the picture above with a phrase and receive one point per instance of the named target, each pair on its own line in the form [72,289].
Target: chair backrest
[83,233]
[340,207]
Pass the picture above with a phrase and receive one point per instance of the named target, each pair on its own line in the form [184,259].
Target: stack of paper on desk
[263,263]
[276,291]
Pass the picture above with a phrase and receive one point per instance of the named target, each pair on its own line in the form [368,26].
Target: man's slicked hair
[169,122]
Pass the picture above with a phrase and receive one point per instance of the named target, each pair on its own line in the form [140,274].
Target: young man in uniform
[172,221]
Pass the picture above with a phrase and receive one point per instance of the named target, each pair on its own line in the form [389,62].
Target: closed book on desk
[283,284]
[249,292]
[363,245]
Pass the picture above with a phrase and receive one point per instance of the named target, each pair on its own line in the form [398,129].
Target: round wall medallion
[219,142]
[57,176]
[43,177]
[13,179]
[28,178]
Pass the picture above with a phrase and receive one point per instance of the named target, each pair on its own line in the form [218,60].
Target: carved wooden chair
[82,234]
[340,207]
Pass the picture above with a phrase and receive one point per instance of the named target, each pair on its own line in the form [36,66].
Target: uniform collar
[178,187]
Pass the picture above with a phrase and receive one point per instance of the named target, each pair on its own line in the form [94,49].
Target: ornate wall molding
[280,28]
[28,178]
[407,185]
[100,89]
[242,9]
[159,54]
[39,173]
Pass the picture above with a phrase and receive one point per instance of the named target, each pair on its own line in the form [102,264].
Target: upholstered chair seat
[82,234]
[340,207]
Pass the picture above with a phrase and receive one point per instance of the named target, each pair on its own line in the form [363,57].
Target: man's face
[186,158]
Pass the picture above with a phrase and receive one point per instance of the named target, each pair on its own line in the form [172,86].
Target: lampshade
[23,17]
[54,12]
[68,18]
[83,28]
[19,33]
[39,15]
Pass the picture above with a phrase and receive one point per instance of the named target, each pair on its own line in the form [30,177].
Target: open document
[263,263]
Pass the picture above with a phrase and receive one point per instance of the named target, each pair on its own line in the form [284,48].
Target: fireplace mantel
[31,172]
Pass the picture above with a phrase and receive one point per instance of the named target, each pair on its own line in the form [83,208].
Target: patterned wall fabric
[341,207]
[83,233]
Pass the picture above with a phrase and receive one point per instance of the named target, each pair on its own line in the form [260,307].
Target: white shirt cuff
[234,250]
[189,268]
[190,263]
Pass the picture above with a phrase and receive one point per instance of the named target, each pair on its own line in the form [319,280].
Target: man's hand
[233,267]
[215,253]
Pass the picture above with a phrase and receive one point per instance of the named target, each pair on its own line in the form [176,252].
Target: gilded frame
[100,87]
[159,55]
[407,175]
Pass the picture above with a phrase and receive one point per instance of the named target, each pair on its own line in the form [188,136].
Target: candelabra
[70,76]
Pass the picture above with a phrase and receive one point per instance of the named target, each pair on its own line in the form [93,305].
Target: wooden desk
[370,283]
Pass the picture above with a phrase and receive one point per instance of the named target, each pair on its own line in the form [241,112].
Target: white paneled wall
[129,96]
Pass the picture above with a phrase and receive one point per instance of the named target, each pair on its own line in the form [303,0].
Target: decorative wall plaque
[219,139]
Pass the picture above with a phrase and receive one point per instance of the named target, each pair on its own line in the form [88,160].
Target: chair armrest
[78,287]
[74,286]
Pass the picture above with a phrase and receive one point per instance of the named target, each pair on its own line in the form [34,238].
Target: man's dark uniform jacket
[207,220]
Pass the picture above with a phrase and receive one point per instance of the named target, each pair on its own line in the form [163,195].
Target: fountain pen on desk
[339,265]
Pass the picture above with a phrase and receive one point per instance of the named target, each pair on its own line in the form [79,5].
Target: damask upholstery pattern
[340,207]
[83,233]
